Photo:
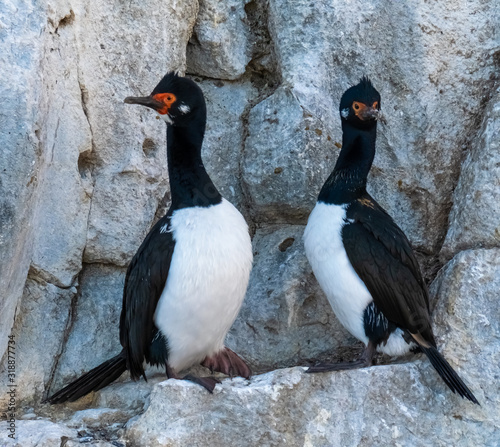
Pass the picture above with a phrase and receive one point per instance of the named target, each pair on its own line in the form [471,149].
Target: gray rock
[219,46]
[285,319]
[129,161]
[288,156]
[467,319]
[94,335]
[90,441]
[123,207]
[385,405]
[64,184]
[399,404]
[40,433]
[39,329]
[475,216]
[20,55]
[98,417]
[127,396]
[223,143]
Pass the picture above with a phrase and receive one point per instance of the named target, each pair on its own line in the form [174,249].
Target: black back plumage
[381,255]
[146,277]
[141,340]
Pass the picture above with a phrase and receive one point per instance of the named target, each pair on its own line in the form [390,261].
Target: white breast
[345,291]
[206,283]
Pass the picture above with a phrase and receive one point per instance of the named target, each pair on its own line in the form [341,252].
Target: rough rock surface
[223,144]
[83,177]
[286,319]
[38,433]
[43,306]
[467,319]
[97,312]
[288,156]
[20,51]
[475,216]
[219,46]
[367,407]
[64,184]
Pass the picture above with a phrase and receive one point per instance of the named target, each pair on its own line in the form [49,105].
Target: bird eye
[356,106]
[166,98]
[375,105]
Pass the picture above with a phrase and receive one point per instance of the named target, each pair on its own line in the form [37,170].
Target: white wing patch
[164,228]
[184,108]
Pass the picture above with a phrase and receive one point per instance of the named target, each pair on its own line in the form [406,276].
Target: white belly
[345,291]
[206,283]
[325,251]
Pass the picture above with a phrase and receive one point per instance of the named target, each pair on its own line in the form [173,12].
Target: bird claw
[206,382]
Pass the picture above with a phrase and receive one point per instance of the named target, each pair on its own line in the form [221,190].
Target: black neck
[347,182]
[190,184]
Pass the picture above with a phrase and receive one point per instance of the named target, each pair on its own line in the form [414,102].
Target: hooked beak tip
[381,118]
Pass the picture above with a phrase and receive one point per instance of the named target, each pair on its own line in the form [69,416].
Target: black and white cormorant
[185,285]
[362,260]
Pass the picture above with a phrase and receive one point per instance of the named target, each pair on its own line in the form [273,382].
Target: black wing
[144,283]
[382,257]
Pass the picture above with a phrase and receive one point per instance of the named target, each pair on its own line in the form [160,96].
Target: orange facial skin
[362,111]
[166,98]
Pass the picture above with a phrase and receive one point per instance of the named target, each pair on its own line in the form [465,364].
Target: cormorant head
[360,105]
[177,100]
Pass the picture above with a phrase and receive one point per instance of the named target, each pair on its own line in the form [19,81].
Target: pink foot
[229,363]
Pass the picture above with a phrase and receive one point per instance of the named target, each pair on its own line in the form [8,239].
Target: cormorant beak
[381,117]
[371,113]
[368,113]
[147,101]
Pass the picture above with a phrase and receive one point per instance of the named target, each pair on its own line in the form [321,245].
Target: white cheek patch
[166,118]
[183,108]
[344,113]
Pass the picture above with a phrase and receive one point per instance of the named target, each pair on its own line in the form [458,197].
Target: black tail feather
[94,380]
[448,374]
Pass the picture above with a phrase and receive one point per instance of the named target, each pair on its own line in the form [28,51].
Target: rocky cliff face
[83,177]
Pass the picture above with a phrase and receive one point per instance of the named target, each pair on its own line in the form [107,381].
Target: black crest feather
[167,83]
[365,83]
